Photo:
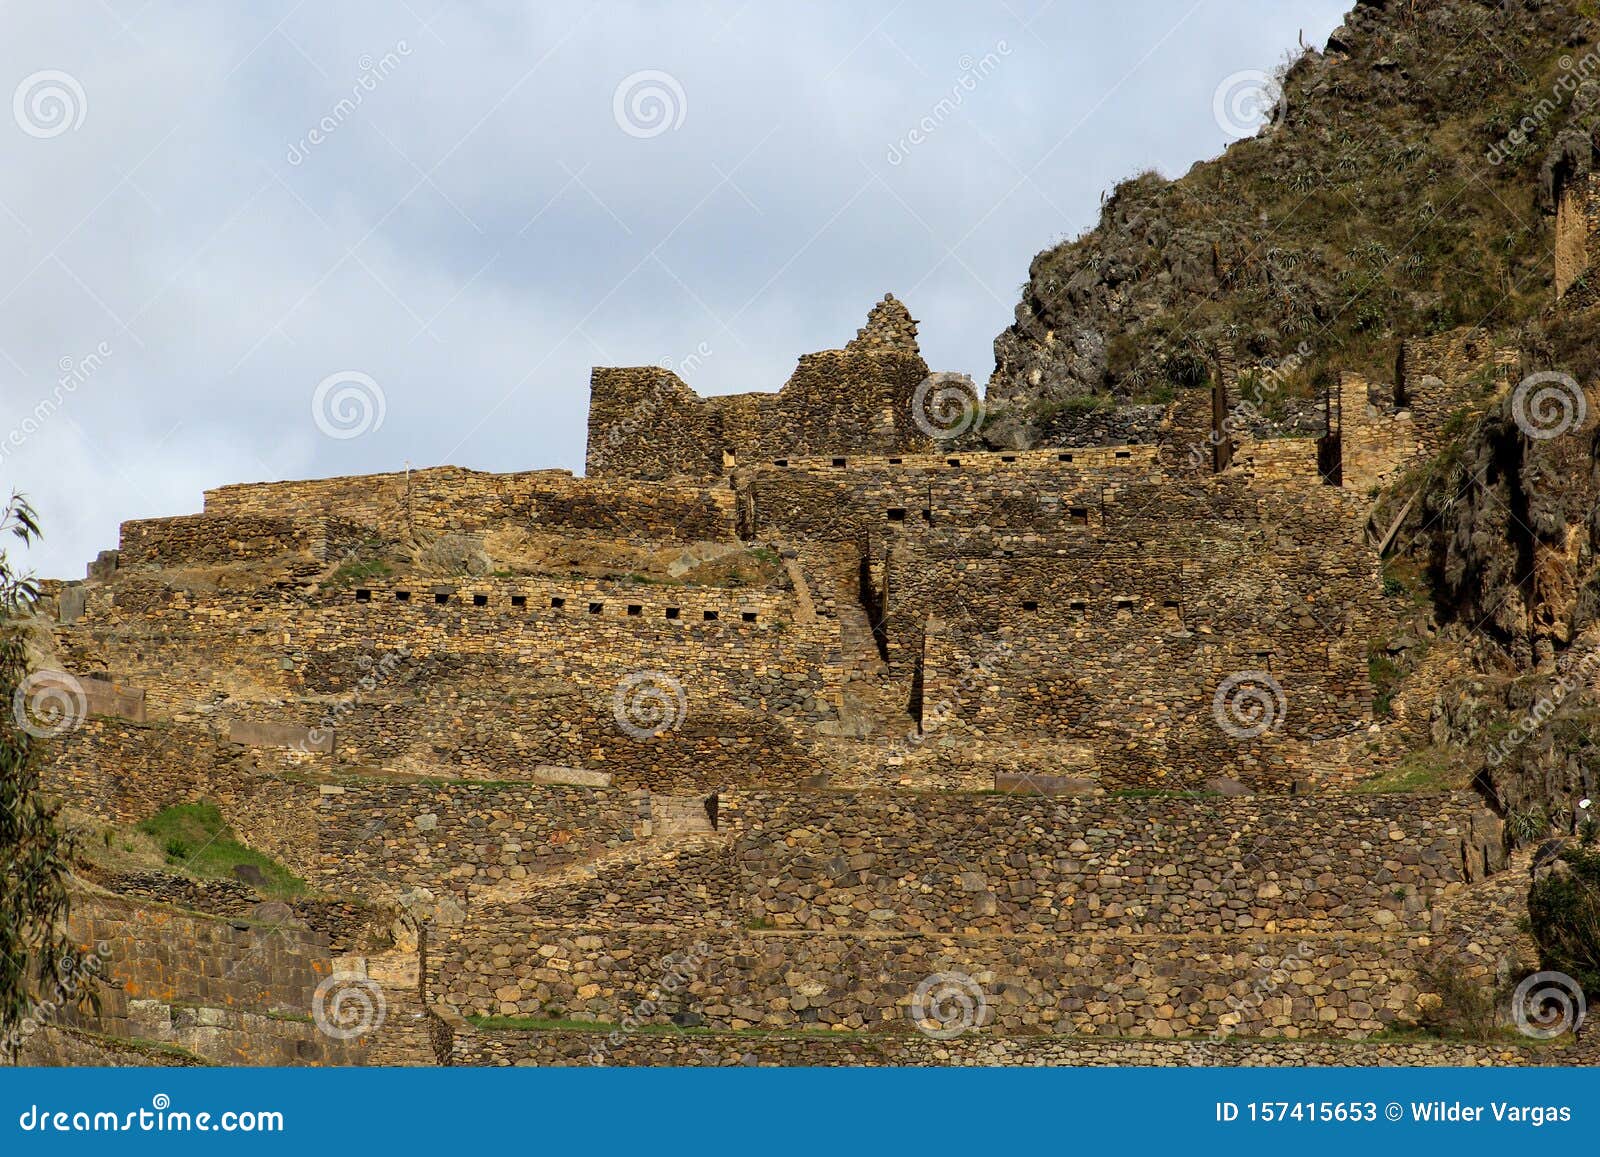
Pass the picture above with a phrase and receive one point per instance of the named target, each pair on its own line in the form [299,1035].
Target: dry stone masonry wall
[970,716]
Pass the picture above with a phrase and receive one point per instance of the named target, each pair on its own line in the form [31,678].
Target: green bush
[1564,917]
[1467,1009]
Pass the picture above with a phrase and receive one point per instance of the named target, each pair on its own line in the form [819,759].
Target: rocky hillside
[1406,187]
[1387,199]
[1502,531]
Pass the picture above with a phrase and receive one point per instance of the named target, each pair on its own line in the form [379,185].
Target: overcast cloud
[480,216]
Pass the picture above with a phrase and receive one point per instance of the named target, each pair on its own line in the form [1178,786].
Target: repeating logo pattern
[1548,404]
[649,703]
[48,704]
[946,406]
[1247,102]
[348,404]
[1248,704]
[947,1004]
[649,103]
[1548,1004]
[49,103]
[348,1005]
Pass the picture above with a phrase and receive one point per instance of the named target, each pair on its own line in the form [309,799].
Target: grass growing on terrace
[353,572]
[1426,770]
[198,842]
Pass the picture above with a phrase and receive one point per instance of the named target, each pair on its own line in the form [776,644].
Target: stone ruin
[789,714]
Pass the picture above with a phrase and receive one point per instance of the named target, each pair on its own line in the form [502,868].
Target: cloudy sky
[287,238]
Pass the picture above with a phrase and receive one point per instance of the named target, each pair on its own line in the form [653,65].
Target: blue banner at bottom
[809,1111]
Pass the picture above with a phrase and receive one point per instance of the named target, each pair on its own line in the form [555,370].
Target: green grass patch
[353,572]
[1426,771]
[198,842]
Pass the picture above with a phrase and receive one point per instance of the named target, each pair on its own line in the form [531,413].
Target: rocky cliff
[1402,188]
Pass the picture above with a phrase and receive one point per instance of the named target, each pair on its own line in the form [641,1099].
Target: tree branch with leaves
[41,967]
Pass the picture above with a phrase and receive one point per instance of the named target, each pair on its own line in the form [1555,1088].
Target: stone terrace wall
[1342,984]
[1157,686]
[208,982]
[124,772]
[1105,426]
[347,926]
[56,1047]
[1141,615]
[450,499]
[732,609]
[953,864]
[1094,463]
[185,648]
[200,539]
[159,542]
[454,836]
[498,735]
[565,1048]
[1124,916]
[1149,867]
[839,499]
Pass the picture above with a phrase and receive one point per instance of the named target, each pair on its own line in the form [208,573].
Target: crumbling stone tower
[645,421]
